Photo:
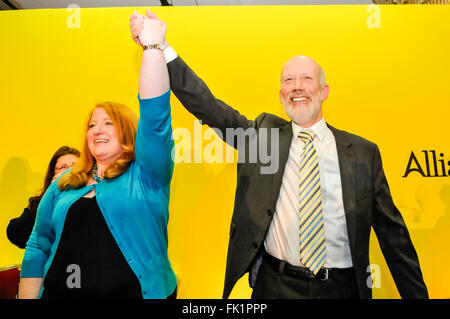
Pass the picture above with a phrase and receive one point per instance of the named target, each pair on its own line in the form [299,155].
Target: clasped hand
[148,29]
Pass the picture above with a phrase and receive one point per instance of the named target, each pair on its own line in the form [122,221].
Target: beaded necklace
[94,174]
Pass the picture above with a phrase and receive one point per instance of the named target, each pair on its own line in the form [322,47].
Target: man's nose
[299,84]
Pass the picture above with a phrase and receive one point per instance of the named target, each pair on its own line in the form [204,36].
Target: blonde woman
[101,230]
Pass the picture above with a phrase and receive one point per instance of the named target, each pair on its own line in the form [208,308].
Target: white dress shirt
[283,239]
[169,54]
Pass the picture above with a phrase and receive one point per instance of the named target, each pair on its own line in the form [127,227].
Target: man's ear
[325,91]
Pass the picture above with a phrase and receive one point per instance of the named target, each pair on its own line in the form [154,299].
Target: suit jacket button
[269,212]
[255,245]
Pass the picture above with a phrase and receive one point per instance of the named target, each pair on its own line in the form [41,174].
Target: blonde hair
[125,123]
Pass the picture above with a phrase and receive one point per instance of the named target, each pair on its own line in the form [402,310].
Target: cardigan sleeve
[154,142]
[41,239]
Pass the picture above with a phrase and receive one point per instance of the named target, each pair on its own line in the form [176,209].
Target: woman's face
[65,162]
[102,138]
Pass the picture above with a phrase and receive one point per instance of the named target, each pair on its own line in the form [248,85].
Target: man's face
[301,92]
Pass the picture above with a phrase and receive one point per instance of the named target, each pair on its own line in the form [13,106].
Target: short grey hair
[322,77]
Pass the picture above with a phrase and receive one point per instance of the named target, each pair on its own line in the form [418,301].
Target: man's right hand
[137,24]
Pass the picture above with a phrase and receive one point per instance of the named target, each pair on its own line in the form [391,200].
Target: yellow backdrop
[387,68]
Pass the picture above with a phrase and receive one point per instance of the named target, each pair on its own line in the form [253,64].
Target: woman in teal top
[117,194]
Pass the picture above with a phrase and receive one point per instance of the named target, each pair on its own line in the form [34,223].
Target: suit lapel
[345,157]
[285,140]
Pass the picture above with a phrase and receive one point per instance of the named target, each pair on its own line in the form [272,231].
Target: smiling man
[303,231]
[303,88]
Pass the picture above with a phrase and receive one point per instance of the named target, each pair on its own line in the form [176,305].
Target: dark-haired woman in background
[19,229]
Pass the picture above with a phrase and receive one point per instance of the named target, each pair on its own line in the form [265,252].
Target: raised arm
[154,141]
[153,77]
[192,91]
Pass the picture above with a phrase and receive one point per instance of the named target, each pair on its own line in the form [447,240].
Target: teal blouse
[134,205]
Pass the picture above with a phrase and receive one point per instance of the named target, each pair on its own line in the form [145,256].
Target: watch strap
[159,46]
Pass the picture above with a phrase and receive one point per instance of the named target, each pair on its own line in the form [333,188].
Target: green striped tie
[312,239]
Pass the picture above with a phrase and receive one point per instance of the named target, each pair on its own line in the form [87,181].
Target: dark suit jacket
[366,196]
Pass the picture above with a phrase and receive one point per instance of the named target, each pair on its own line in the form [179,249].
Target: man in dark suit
[300,241]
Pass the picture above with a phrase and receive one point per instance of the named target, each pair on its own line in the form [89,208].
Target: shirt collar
[319,128]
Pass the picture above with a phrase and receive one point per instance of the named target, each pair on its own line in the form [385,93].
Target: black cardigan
[19,229]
